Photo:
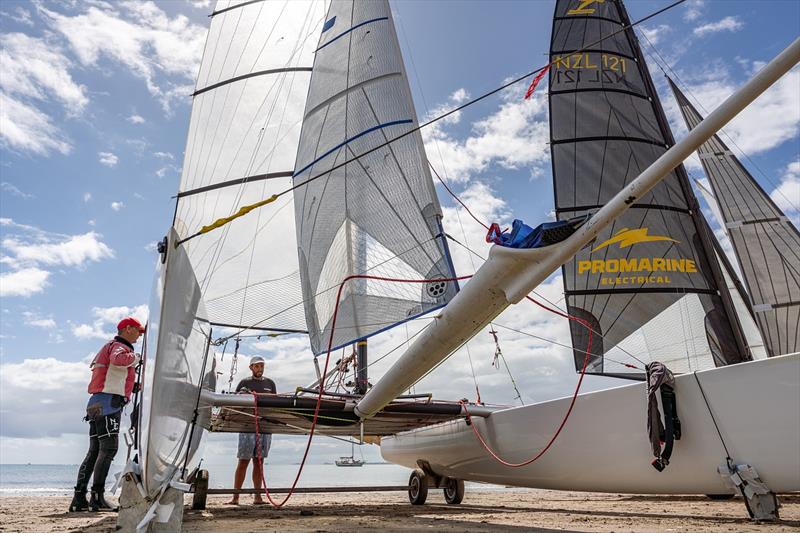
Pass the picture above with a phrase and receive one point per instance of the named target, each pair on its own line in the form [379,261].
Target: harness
[660,378]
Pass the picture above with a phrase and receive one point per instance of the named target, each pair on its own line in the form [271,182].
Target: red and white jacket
[114,369]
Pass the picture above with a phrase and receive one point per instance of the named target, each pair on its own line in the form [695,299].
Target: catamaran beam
[218,399]
[510,274]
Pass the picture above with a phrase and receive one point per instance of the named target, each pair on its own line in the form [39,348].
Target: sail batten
[650,271]
[371,207]
[764,240]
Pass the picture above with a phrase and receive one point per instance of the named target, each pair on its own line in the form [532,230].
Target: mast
[510,274]
[764,240]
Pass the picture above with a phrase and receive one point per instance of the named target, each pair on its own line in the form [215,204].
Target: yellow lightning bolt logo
[627,237]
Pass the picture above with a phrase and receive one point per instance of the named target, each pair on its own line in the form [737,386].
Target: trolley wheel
[200,490]
[454,491]
[720,497]
[417,487]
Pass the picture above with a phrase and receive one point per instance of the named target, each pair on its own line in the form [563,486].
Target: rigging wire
[246,209]
[662,62]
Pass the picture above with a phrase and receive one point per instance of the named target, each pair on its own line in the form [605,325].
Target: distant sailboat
[350,460]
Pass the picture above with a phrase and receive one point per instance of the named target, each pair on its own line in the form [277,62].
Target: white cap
[256,359]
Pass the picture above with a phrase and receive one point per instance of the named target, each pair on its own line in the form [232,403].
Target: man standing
[247,441]
[113,376]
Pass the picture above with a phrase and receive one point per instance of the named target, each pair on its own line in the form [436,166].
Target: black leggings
[103,445]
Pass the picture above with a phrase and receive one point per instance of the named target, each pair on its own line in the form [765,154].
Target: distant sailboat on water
[350,460]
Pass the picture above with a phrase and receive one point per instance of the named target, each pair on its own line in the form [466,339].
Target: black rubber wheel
[417,487]
[454,491]
[720,497]
[200,490]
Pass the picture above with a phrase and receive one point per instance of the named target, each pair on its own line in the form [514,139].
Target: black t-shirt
[259,385]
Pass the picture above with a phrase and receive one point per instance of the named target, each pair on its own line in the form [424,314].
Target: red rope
[571,403]
[468,417]
[322,386]
[457,199]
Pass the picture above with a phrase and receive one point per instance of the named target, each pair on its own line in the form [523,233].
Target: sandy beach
[524,510]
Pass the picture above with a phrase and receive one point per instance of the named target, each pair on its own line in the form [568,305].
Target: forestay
[766,243]
[647,284]
[377,214]
[242,141]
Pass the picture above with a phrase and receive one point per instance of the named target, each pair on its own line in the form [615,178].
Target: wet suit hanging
[659,377]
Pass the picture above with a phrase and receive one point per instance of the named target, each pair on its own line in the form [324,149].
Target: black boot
[99,503]
[79,502]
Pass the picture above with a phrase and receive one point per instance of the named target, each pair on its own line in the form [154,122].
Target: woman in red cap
[113,376]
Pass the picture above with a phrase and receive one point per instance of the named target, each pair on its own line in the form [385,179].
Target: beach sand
[523,510]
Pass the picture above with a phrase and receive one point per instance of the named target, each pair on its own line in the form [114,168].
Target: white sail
[241,146]
[377,214]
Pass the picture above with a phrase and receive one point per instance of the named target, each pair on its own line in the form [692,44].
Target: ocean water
[58,480]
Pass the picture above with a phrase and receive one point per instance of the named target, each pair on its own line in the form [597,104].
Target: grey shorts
[247,445]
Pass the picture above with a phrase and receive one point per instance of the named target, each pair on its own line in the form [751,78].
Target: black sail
[766,243]
[650,279]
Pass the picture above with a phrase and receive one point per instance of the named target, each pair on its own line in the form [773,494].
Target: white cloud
[14,190]
[116,206]
[694,9]
[21,15]
[75,250]
[106,320]
[136,119]
[35,71]
[771,120]
[27,396]
[26,128]
[33,319]
[164,155]
[107,158]
[27,249]
[787,194]
[23,282]
[87,196]
[655,34]
[726,24]
[140,36]
[513,137]
[200,4]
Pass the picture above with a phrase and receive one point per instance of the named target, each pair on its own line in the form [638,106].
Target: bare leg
[258,468]
[238,479]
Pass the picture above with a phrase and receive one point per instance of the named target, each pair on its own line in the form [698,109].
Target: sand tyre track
[418,487]
[454,491]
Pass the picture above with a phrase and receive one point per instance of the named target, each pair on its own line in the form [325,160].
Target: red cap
[130,321]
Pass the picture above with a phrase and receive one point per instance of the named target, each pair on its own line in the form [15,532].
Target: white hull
[604,445]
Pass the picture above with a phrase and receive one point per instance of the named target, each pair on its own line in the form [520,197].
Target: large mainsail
[766,243]
[377,214]
[242,141]
[648,284]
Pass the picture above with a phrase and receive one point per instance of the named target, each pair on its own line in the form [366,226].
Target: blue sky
[93,119]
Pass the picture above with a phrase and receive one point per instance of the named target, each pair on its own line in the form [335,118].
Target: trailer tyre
[417,487]
[454,491]
[200,490]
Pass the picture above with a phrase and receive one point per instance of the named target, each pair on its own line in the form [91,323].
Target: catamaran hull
[604,445]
